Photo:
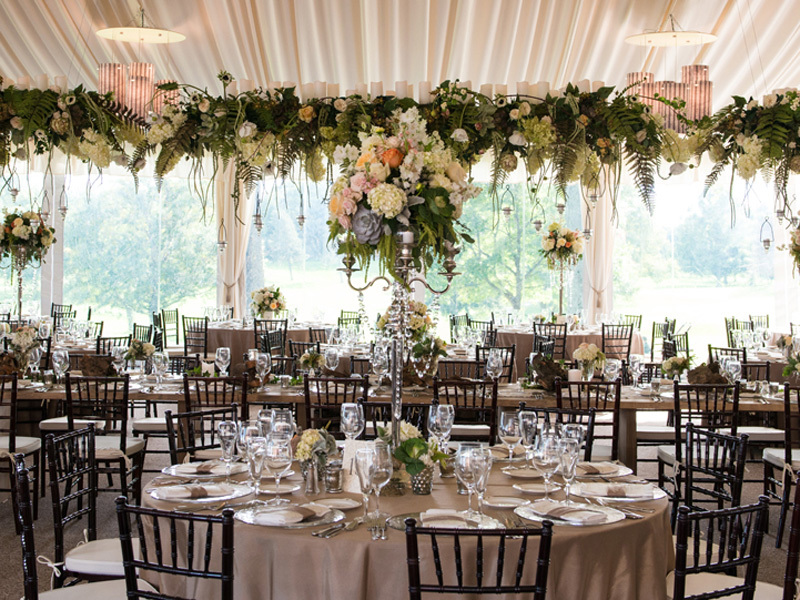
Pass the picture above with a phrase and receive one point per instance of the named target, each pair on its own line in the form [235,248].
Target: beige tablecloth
[624,561]
[524,342]
[240,340]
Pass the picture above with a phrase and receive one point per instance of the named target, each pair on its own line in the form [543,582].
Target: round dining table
[626,560]
[240,339]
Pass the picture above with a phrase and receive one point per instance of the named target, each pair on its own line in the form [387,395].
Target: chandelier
[694,88]
[134,85]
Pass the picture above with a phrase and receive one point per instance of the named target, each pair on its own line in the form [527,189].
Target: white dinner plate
[523,473]
[504,501]
[285,489]
[339,503]
[537,489]
[620,471]
[271,477]
[186,470]
[168,493]
[656,494]
[611,516]
[285,517]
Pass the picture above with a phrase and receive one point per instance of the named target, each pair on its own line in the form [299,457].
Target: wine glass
[160,363]
[331,357]
[365,469]
[118,358]
[380,366]
[494,364]
[265,421]
[282,423]
[734,368]
[60,361]
[612,368]
[263,368]
[277,459]
[227,440]
[222,359]
[509,431]
[256,453]
[247,430]
[547,460]
[44,330]
[529,431]
[568,450]
[440,423]
[468,471]
[483,464]
[637,368]
[352,423]
[383,470]
[575,431]
[35,359]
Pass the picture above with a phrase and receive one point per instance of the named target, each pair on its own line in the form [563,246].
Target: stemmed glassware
[227,440]
[247,431]
[611,369]
[278,459]
[282,423]
[44,330]
[118,358]
[256,453]
[637,368]
[331,358]
[352,423]
[222,359]
[509,431]
[34,360]
[547,460]
[494,364]
[468,471]
[365,469]
[440,423]
[265,421]
[383,470]
[263,368]
[568,449]
[60,361]
[380,366]
[529,431]
[160,363]
[484,468]
[734,370]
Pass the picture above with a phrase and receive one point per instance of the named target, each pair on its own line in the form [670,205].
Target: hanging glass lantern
[507,210]
[301,220]
[780,213]
[45,212]
[767,234]
[560,206]
[258,222]
[587,233]
[537,224]
[222,241]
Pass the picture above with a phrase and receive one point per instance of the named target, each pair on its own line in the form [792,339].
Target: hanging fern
[643,168]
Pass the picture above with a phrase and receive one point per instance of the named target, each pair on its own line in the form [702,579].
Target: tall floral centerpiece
[563,248]
[267,301]
[426,347]
[25,240]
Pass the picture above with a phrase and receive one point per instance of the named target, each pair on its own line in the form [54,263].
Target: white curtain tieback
[56,572]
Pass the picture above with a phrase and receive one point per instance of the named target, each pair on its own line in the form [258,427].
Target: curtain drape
[598,255]
[231,261]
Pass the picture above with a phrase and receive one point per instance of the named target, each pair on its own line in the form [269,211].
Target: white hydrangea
[95,147]
[387,200]
[21,231]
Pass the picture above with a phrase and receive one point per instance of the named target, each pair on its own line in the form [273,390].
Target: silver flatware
[350,526]
[323,532]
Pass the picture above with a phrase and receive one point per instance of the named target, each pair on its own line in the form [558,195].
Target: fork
[349,526]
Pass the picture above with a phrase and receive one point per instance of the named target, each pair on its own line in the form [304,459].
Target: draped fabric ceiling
[352,41]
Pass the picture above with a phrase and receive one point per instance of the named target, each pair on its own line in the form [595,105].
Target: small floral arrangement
[312,360]
[561,245]
[540,318]
[589,353]
[675,366]
[139,350]
[25,237]
[418,320]
[23,340]
[792,365]
[416,455]
[429,346]
[784,341]
[267,299]
[407,432]
[315,444]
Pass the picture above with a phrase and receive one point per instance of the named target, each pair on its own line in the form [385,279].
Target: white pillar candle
[41,82]
[333,90]
[523,88]
[584,85]
[400,88]
[465,84]
[233,88]
[306,91]
[486,89]
[424,92]
[361,90]
[501,89]
[596,85]
[574,375]
[246,85]
[541,89]
[61,82]
[376,89]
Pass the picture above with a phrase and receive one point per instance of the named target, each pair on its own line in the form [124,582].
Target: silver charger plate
[398,522]
[239,491]
[612,516]
[236,469]
[248,515]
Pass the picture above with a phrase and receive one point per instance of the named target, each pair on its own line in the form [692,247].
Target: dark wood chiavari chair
[178,555]
[194,433]
[378,414]
[457,322]
[475,404]
[661,331]
[604,398]
[715,353]
[213,392]
[262,327]
[732,325]
[195,335]
[506,353]
[556,332]
[460,369]
[781,464]
[544,345]
[106,344]
[318,335]
[170,321]
[297,349]
[616,341]
[325,395]
[272,342]
[143,333]
[502,542]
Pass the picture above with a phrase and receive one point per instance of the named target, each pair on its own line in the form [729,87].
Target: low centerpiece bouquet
[425,356]
[414,459]
[312,360]
[22,342]
[401,178]
[25,238]
[314,445]
[589,358]
[561,246]
[267,300]
[139,350]
[785,344]
[675,366]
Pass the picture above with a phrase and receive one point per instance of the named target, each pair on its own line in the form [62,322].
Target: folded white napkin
[572,513]
[209,467]
[443,517]
[594,469]
[195,492]
[501,451]
[278,518]
[616,490]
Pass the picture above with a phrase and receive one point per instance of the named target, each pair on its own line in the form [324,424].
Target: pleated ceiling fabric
[353,41]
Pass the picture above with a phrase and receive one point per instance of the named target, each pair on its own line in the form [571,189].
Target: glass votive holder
[285,381]
[334,477]
[449,469]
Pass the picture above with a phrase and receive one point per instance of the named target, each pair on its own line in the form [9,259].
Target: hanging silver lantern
[537,224]
[258,222]
[301,220]
[795,222]
[780,213]
[587,233]
[767,234]
[35,222]
[560,206]
[507,210]
[222,241]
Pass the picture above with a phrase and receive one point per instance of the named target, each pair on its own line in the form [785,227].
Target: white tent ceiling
[352,41]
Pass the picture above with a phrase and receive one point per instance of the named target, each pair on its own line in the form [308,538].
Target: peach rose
[367,157]
[335,205]
[344,221]
[306,114]
[392,158]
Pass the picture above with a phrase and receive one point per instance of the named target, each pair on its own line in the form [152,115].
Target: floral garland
[561,245]
[25,238]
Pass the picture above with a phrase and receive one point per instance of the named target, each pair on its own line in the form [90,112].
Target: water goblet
[380,366]
[574,431]
[222,358]
[256,453]
[440,423]
[365,470]
[568,458]
[60,361]
[226,430]
[331,357]
[247,430]
[383,470]
[44,330]
[468,472]
[265,421]
[612,368]
[34,360]
[352,422]
[509,431]
[494,364]
[547,460]
[529,431]
[734,368]
[484,468]
[283,422]
[637,368]
[263,368]
[160,363]
[277,459]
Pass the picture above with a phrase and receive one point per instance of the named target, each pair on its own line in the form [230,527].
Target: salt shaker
[312,484]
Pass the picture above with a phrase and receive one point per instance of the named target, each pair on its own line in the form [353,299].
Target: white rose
[459,135]
[517,139]
[247,129]
[561,243]
[204,105]
[514,114]
[456,172]
[770,100]
[524,109]
[340,104]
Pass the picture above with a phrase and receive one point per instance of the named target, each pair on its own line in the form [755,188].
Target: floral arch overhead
[569,136]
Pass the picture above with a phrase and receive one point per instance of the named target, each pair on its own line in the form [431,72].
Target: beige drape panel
[598,259]
[352,41]
[231,262]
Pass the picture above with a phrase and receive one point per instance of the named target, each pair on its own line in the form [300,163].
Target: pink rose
[344,221]
[358,181]
[349,206]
